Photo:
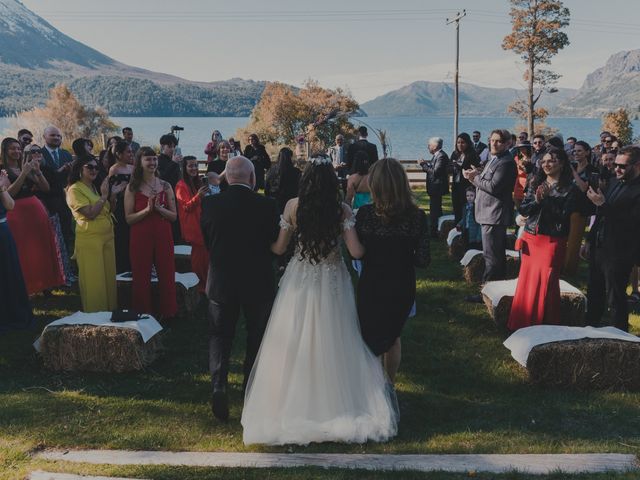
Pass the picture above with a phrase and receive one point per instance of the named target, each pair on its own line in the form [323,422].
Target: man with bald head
[56,165]
[239,226]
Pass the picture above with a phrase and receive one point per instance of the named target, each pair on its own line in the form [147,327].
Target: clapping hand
[118,187]
[4,180]
[470,174]
[542,191]
[151,204]
[104,189]
[597,198]
[64,167]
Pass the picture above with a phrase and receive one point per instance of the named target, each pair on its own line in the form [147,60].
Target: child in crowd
[213,180]
[471,233]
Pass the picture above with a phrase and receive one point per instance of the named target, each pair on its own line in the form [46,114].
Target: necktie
[56,158]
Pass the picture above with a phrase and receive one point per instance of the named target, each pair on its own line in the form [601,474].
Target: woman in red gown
[29,221]
[190,191]
[547,207]
[150,207]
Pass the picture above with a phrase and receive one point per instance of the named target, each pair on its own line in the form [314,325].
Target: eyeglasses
[26,140]
[91,167]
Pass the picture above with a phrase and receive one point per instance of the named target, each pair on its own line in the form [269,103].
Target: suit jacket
[168,170]
[361,145]
[494,191]
[239,227]
[617,226]
[437,173]
[57,180]
[480,147]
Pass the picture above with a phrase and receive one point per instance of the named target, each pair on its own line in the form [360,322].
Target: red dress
[151,243]
[190,210]
[537,297]
[35,240]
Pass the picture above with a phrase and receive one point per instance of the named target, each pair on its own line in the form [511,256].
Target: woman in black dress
[283,179]
[462,158]
[395,235]
[119,175]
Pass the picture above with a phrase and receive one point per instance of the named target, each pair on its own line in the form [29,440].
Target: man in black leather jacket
[613,245]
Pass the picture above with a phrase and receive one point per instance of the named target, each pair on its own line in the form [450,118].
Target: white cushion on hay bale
[473,265]
[445,223]
[455,243]
[498,296]
[92,342]
[186,291]
[182,256]
[584,357]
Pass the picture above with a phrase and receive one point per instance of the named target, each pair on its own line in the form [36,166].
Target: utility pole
[456,19]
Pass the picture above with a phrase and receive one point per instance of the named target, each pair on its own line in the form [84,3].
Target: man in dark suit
[362,144]
[613,244]
[437,180]
[170,170]
[239,227]
[494,204]
[478,145]
[56,165]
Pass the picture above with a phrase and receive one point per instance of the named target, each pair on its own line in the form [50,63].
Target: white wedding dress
[314,379]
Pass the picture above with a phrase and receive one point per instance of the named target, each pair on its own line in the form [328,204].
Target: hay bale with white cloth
[498,297]
[586,358]
[90,342]
[445,224]
[455,242]
[473,265]
[182,258]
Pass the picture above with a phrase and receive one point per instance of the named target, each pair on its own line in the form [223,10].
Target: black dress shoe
[477,298]
[220,405]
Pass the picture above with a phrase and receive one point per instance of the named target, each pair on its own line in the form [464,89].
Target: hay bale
[457,248]
[187,298]
[182,258]
[91,348]
[444,226]
[586,364]
[474,270]
[572,307]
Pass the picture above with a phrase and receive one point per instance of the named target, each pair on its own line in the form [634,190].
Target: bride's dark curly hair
[319,213]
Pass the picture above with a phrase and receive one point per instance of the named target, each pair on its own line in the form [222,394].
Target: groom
[239,226]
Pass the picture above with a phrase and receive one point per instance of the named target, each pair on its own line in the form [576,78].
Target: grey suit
[437,170]
[494,211]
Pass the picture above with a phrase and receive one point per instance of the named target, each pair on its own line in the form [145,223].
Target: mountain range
[35,56]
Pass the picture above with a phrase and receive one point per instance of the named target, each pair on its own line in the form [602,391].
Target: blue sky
[368,47]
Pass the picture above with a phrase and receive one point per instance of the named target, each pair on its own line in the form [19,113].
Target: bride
[314,379]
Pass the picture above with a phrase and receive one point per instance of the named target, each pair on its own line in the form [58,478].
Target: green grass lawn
[459,392]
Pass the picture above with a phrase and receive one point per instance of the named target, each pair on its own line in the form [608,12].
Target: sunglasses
[91,167]
[622,166]
[26,139]
[35,151]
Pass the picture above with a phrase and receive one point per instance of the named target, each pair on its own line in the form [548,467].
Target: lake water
[407,135]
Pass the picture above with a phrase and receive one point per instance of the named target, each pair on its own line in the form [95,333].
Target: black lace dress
[387,286]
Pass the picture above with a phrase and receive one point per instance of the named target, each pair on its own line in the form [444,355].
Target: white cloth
[453,233]
[314,379]
[468,256]
[182,250]
[147,327]
[443,219]
[507,288]
[189,279]
[523,340]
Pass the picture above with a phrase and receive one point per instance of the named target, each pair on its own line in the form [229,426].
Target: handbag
[126,316]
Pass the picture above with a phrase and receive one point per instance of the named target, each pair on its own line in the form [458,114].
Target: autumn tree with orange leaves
[536,36]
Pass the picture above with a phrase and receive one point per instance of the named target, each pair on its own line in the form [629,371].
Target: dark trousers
[608,287]
[223,318]
[494,244]
[435,211]
[458,199]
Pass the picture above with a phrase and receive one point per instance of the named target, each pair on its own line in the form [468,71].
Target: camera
[176,128]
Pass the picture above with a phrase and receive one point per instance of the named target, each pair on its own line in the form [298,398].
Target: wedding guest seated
[15,309]
[150,208]
[471,230]
[358,192]
[547,206]
[394,233]
[28,220]
[94,245]
[189,193]
[283,179]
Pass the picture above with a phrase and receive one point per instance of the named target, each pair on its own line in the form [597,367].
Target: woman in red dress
[150,208]
[190,191]
[547,206]
[29,221]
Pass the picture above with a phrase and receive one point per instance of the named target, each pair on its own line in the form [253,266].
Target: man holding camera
[612,245]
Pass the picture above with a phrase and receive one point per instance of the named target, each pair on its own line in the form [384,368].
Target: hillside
[34,56]
[615,85]
[436,99]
